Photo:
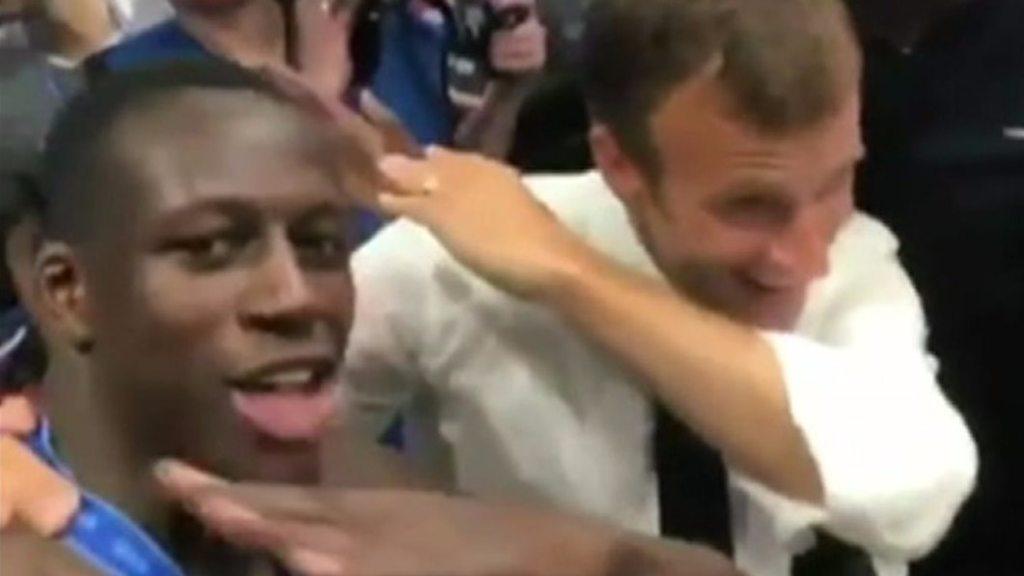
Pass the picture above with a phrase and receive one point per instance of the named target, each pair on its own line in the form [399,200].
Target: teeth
[292,378]
[305,380]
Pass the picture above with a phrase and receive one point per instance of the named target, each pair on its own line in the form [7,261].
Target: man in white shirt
[715,264]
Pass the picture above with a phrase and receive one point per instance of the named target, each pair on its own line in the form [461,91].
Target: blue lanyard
[100,534]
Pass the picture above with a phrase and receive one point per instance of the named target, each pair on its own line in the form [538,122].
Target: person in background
[411,78]
[944,128]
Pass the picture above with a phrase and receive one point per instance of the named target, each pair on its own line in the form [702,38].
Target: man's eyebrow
[751,187]
[227,207]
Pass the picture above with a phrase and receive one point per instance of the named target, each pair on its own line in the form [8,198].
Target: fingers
[17,416]
[409,177]
[200,493]
[183,481]
[290,523]
[409,185]
[312,563]
[311,548]
[32,492]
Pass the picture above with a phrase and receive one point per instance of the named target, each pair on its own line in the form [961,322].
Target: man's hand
[486,218]
[31,494]
[323,532]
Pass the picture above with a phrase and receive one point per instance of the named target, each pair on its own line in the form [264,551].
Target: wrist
[572,274]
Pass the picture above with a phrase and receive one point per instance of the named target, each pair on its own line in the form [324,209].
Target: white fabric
[134,16]
[520,407]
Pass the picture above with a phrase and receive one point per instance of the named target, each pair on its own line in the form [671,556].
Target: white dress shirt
[515,405]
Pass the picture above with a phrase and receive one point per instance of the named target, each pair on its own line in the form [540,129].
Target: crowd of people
[477,287]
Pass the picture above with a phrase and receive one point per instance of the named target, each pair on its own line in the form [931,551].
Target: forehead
[249,152]
[702,140]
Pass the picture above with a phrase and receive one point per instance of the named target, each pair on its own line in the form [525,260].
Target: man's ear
[621,173]
[60,295]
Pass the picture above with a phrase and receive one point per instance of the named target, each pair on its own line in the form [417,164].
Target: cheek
[335,295]
[186,318]
[699,238]
[841,211]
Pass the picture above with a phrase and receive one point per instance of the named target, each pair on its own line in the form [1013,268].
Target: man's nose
[280,297]
[801,251]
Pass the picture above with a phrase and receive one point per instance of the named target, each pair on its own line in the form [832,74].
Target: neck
[94,446]
[112,450]
[112,460]
[251,34]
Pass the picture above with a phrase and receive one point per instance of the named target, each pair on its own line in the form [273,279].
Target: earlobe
[60,292]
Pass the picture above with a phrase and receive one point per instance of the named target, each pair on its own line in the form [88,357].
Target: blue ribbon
[101,535]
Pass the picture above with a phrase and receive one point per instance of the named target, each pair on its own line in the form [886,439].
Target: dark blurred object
[365,42]
[22,354]
[552,129]
[944,127]
[564,20]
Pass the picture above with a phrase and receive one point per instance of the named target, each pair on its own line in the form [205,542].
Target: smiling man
[192,262]
[723,276]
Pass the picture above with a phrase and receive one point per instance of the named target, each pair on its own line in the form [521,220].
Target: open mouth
[290,401]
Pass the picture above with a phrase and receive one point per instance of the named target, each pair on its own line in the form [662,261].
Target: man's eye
[757,211]
[210,252]
[323,249]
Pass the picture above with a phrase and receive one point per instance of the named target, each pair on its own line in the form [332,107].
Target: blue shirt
[410,78]
[99,533]
[160,44]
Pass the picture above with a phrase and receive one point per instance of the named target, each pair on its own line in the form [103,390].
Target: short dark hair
[84,161]
[779,60]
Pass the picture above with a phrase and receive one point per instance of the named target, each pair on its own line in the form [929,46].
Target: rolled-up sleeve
[895,457]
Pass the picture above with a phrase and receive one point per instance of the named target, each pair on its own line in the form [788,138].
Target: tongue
[288,416]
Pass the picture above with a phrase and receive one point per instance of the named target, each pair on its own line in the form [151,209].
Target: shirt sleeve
[381,371]
[896,459]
